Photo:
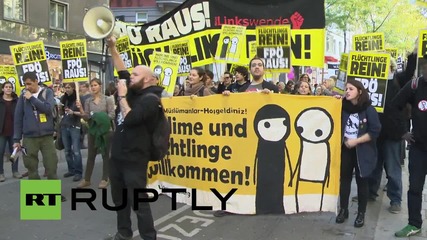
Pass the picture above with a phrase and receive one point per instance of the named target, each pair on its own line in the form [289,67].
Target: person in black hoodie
[360,129]
[417,98]
[8,100]
[389,147]
[130,153]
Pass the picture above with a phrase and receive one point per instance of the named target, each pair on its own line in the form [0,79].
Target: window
[141,17]
[58,16]
[14,10]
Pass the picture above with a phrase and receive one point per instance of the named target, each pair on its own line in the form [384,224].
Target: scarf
[350,108]
[193,89]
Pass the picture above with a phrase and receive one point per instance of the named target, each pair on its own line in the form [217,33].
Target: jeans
[348,163]
[129,176]
[389,158]
[72,148]
[9,141]
[417,175]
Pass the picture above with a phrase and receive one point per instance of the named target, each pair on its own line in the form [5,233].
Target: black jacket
[132,139]
[392,120]
[3,109]
[270,86]
[418,100]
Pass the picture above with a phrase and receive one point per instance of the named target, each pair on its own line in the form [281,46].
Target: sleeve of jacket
[147,108]
[374,124]
[46,106]
[19,119]
[403,97]
[270,86]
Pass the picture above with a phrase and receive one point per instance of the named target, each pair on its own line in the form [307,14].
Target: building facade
[23,21]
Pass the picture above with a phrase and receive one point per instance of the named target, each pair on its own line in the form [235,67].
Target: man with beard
[130,152]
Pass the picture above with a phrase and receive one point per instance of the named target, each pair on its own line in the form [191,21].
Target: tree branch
[386,17]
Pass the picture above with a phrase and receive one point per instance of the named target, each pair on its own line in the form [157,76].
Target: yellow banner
[368,64]
[31,57]
[230,44]
[307,48]
[165,66]
[8,74]
[123,47]
[280,151]
[74,60]
[182,48]
[274,47]
[368,42]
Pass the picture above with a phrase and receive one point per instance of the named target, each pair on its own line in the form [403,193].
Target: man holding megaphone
[131,143]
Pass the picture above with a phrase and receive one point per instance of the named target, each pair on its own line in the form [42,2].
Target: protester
[8,100]
[34,126]
[360,128]
[196,83]
[302,88]
[226,83]
[258,83]
[131,143]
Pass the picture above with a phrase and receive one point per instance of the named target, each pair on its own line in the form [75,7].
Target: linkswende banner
[8,74]
[182,48]
[281,152]
[74,60]
[342,74]
[123,47]
[368,42]
[274,47]
[31,57]
[200,23]
[372,70]
[165,66]
[230,43]
[422,51]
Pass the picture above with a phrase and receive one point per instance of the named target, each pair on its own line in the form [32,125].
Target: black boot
[360,220]
[342,216]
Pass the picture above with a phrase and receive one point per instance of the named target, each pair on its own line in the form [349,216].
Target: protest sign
[392,52]
[264,149]
[200,23]
[422,51]
[342,74]
[8,74]
[123,47]
[274,47]
[182,48]
[230,43]
[165,66]
[372,70]
[31,57]
[368,42]
[74,60]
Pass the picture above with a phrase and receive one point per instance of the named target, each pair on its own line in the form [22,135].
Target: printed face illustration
[272,123]
[158,70]
[226,40]
[168,72]
[314,125]
[234,40]
[12,80]
[2,80]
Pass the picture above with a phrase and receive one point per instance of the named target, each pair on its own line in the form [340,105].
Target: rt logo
[40,199]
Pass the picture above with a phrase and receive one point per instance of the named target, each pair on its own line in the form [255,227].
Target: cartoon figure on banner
[272,126]
[158,71]
[314,127]
[2,79]
[167,77]
[13,81]
[225,42]
[233,47]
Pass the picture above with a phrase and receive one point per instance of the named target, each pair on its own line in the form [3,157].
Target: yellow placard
[74,60]
[342,74]
[182,48]
[165,66]
[230,44]
[274,47]
[343,62]
[392,52]
[368,64]
[8,74]
[422,43]
[279,146]
[368,42]
[123,47]
[31,57]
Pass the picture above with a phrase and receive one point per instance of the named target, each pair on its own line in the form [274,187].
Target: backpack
[160,134]
[55,112]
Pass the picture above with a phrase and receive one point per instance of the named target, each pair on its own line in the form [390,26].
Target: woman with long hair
[196,83]
[99,112]
[8,100]
[360,127]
